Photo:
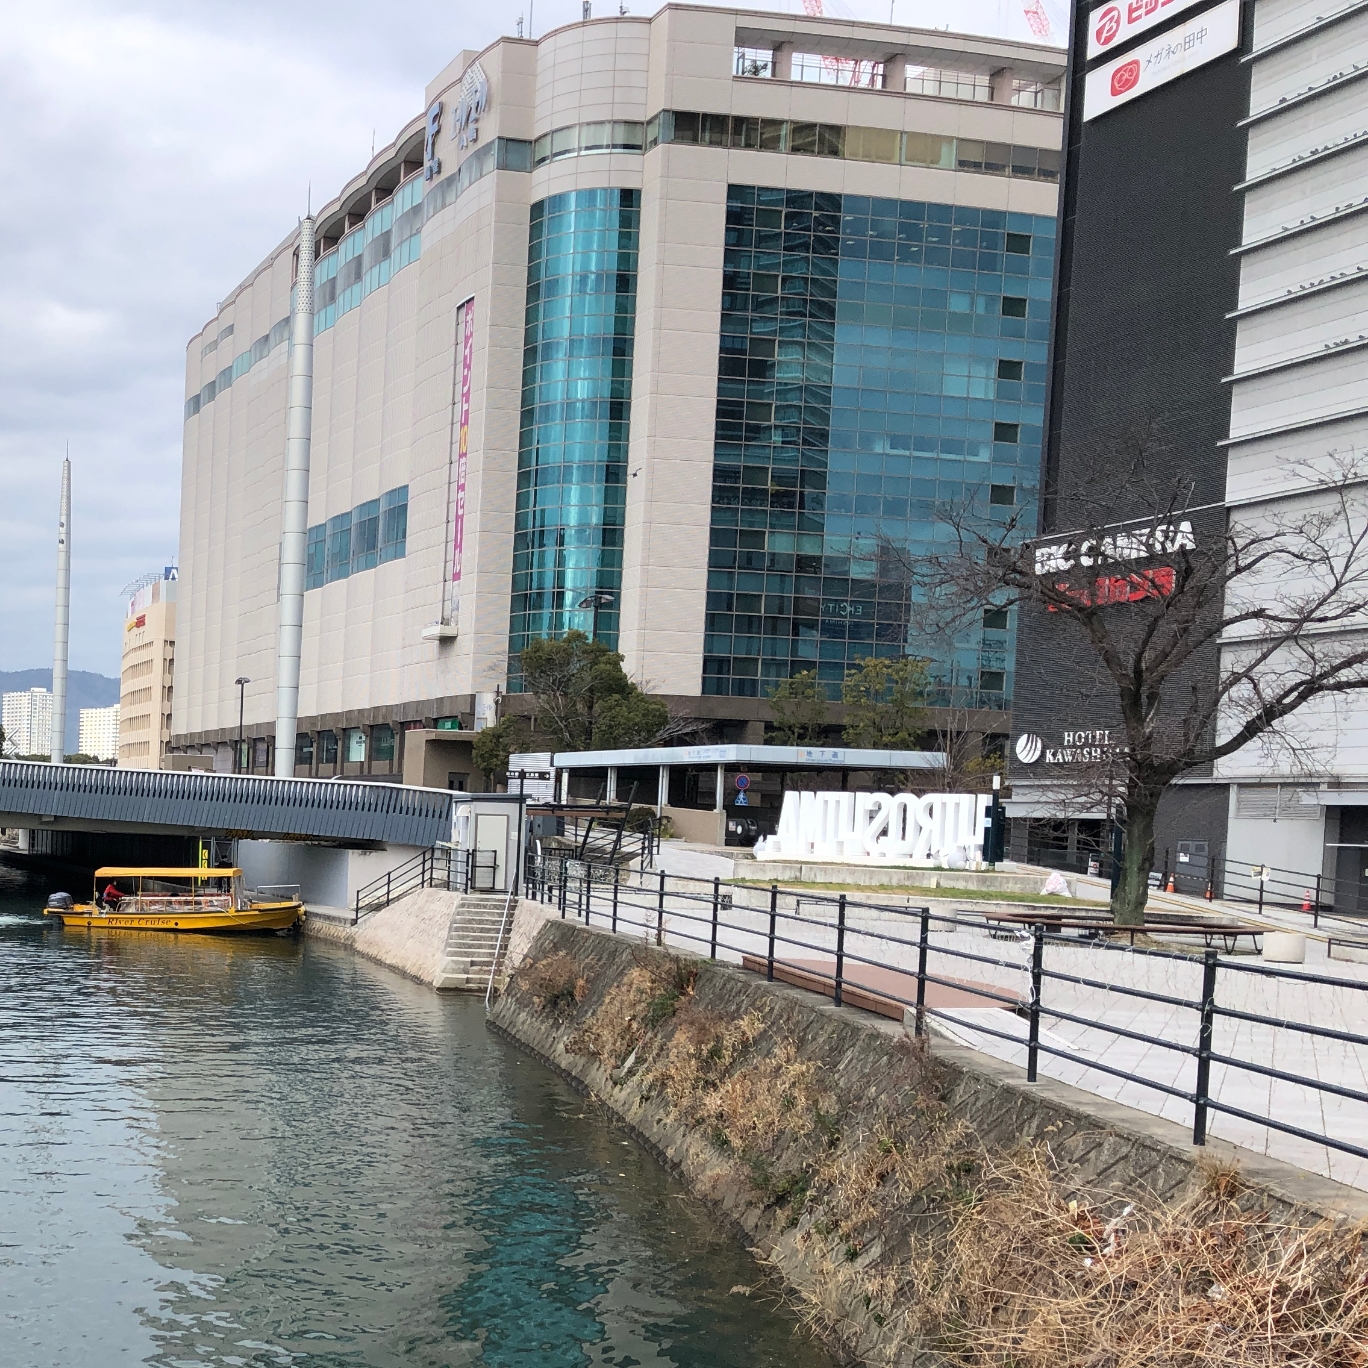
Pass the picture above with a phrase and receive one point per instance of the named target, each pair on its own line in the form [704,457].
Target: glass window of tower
[577,389]
[880,361]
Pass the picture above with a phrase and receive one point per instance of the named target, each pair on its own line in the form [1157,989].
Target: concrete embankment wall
[410,935]
[889,1184]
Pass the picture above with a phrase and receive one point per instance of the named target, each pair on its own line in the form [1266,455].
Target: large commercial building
[27,719]
[146,688]
[674,329]
[1212,284]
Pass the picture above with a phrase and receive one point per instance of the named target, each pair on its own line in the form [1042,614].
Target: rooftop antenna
[294,521]
[520,26]
[61,635]
[588,13]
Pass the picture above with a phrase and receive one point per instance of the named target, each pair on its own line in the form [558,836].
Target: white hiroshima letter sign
[874,828]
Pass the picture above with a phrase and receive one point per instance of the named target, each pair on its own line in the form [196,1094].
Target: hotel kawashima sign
[935,829]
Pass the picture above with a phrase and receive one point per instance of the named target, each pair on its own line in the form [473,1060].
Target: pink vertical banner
[463,436]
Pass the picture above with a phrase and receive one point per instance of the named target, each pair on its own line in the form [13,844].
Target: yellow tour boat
[176,900]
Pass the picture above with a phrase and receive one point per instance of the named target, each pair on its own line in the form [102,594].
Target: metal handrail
[498,948]
[690,912]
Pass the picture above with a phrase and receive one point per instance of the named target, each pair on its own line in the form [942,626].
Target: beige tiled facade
[146,688]
[387,372]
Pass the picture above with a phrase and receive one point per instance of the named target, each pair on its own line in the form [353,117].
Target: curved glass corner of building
[576,397]
[880,360]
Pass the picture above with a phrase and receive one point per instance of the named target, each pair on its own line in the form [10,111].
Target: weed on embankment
[903,1232]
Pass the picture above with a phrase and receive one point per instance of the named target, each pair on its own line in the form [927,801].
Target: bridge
[96,799]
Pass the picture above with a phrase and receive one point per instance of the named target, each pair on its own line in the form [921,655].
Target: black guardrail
[764,930]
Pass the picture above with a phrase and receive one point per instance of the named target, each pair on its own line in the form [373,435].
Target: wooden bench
[1229,933]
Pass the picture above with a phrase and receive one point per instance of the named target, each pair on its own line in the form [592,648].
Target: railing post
[1315,910]
[560,899]
[389,874]
[617,879]
[717,892]
[919,1020]
[774,917]
[1037,973]
[840,946]
[356,917]
[1204,1030]
[660,912]
[1262,882]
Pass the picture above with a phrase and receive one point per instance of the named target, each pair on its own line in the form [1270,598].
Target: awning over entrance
[793,757]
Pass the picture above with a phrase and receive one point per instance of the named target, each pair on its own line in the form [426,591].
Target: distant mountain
[84,690]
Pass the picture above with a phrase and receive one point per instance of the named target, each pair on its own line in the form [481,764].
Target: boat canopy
[191,873]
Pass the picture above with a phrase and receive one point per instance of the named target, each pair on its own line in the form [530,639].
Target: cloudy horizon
[156,153]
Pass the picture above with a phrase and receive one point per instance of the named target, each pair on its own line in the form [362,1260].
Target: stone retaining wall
[877,1077]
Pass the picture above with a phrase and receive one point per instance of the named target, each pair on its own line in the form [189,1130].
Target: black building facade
[1137,407]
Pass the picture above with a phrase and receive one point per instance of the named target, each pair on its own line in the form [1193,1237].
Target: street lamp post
[242,682]
[600,598]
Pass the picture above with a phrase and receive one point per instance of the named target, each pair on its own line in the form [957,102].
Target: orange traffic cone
[1210,892]
[1169,887]
[1306,900]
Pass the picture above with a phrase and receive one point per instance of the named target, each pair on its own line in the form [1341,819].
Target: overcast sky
[153,153]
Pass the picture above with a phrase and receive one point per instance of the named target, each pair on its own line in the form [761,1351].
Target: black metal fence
[907,961]
[459,871]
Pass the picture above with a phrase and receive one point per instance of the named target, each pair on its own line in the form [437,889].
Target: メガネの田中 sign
[1173,53]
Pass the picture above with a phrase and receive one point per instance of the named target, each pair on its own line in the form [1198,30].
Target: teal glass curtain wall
[577,389]
[880,360]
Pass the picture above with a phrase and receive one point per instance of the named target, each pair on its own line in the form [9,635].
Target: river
[270,1152]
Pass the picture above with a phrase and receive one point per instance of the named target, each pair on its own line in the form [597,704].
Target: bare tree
[1193,632]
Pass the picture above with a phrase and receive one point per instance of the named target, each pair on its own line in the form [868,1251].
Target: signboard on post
[1174,53]
[531,775]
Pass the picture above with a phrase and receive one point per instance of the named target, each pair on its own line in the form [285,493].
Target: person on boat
[113,895]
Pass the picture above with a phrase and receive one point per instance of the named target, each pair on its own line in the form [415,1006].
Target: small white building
[99,734]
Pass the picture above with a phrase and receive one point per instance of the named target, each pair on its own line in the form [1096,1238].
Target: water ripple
[266,1152]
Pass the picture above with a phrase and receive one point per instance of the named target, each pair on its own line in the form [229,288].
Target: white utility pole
[61,635]
[294,523]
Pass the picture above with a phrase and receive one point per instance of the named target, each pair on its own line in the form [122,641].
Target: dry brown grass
[554,983]
[916,1238]
[648,995]
[1033,1279]
[1024,1276]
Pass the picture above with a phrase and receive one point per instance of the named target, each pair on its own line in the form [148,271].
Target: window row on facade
[853,143]
[368,535]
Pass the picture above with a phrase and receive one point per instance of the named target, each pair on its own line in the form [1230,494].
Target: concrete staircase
[473,940]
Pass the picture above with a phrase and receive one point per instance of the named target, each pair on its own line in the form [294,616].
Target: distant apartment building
[145,685]
[27,719]
[676,329]
[99,732]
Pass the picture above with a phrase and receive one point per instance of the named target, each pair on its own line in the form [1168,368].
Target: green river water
[268,1151]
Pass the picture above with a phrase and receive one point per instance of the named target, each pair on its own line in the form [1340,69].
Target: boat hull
[258,918]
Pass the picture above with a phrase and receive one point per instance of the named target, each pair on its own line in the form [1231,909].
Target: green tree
[799,709]
[491,748]
[886,703]
[583,698]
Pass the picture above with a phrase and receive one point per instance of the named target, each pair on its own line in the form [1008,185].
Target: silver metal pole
[294,524]
[61,636]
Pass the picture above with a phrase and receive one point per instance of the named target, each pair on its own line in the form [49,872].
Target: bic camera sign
[1079,748]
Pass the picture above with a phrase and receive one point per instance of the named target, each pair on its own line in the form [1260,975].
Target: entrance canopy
[782,757]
